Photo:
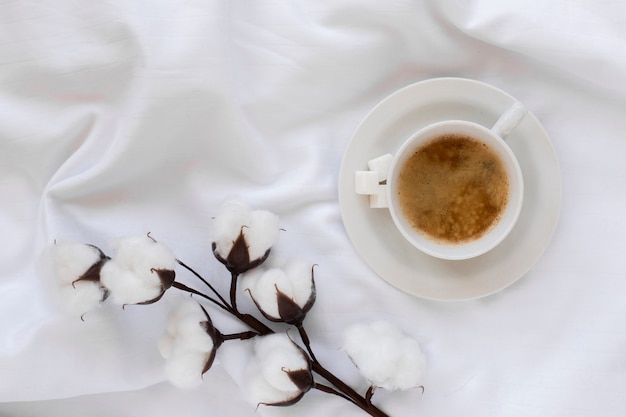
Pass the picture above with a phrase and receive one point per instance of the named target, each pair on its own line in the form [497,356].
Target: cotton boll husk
[125,286]
[262,233]
[81,298]
[71,260]
[184,369]
[232,215]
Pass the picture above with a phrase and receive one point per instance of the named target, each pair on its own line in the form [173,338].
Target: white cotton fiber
[300,276]
[80,298]
[140,254]
[262,233]
[385,356]
[192,336]
[166,345]
[248,279]
[71,260]
[184,370]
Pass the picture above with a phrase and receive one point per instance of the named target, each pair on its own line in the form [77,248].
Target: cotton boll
[232,215]
[384,355]
[134,275]
[276,357]
[243,237]
[275,354]
[283,294]
[186,345]
[76,267]
[274,365]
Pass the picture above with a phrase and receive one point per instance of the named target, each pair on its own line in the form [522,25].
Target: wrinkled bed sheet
[122,117]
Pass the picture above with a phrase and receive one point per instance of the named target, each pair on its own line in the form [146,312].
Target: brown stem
[239,336]
[331,390]
[233,290]
[354,396]
[305,339]
[345,390]
[342,389]
[254,323]
[250,321]
[183,287]
[207,283]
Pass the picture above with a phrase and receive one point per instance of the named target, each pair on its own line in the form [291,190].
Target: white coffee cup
[494,139]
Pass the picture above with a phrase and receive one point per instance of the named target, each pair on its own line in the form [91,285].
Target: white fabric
[127,117]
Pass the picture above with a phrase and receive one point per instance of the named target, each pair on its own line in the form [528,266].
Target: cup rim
[509,216]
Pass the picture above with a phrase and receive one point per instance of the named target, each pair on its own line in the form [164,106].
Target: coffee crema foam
[453,189]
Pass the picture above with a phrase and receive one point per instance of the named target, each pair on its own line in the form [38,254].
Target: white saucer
[372,230]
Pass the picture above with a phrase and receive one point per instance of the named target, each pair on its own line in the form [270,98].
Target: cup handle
[510,120]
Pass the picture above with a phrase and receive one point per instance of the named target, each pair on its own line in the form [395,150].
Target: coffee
[453,188]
